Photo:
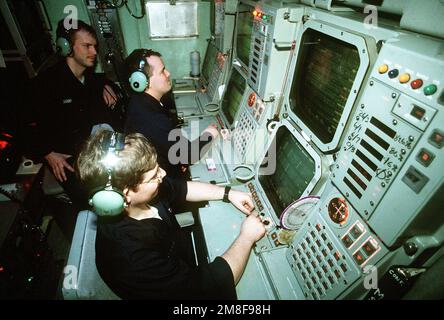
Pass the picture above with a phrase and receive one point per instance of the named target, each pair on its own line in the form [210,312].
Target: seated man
[149,114]
[138,252]
[68,99]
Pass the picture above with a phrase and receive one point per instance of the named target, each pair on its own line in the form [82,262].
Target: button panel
[269,224]
[318,255]
[353,234]
[404,76]
[243,134]
[366,251]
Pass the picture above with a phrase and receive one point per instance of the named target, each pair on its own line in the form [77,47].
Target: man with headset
[149,113]
[138,250]
[68,99]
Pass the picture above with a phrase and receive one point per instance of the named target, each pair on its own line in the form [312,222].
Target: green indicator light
[430,89]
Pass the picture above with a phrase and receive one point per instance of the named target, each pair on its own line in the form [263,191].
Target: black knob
[410,248]
[393,73]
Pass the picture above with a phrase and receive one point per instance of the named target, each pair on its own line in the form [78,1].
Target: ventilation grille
[258,48]
[214,80]
[368,156]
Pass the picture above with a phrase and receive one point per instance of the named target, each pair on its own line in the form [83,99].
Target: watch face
[295,214]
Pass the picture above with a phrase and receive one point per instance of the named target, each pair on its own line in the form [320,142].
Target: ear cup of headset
[63,46]
[107,202]
[138,81]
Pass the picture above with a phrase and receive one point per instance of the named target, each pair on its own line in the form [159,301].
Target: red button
[437,138]
[359,258]
[416,84]
[425,157]
[337,255]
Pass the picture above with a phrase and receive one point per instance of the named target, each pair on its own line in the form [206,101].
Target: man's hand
[57,162]
[212,129]
[252,229]
[109,96]
[241,200]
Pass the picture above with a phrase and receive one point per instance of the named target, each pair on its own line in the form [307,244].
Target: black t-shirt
[62,110]
[139,259]
[149,117]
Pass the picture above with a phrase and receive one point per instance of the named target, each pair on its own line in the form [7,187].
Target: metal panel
[168,21]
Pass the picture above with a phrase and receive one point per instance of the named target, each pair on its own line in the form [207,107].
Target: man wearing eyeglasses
[138,253]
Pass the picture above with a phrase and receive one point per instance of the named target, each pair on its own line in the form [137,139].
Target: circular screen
[338,210]
[295,214]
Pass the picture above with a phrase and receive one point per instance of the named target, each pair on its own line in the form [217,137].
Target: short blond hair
[137,157]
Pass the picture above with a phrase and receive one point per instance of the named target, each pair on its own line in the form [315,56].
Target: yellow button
[383,68]
[403,78]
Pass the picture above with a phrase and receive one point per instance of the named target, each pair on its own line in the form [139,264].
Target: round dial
[295,214]
[338,210]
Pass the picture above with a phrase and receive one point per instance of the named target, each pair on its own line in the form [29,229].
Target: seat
[82,280]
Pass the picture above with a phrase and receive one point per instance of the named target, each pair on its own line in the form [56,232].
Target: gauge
[295,214]
[338,210]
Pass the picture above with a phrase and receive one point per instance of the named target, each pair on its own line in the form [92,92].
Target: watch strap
[226,192]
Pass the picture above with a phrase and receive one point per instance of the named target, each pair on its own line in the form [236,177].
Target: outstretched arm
[237,255]
[199,191]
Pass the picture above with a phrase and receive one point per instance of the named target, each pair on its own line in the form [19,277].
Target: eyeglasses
[157,177]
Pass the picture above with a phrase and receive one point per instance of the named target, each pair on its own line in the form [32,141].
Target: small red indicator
[416,84]
[251,99]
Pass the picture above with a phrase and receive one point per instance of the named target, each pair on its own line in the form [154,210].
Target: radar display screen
[209,61]
[233,95]
[295,169]
[323,78]
[244,29]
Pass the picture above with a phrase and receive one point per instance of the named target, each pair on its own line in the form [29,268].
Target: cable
[142,4]
[118,6]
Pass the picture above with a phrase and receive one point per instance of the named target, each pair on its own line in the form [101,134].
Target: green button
[430,89]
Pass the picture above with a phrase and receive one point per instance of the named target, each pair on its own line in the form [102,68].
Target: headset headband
[107,200]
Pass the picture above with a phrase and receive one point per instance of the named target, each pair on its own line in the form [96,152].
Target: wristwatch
[226,192]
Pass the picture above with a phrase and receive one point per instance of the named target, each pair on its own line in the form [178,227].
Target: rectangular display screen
[244,29]
[295,169]
[209,61]
[233,95]
[323,78]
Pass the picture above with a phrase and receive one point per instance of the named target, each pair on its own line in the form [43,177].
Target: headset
[139,80]
[109,201]
[63,42]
